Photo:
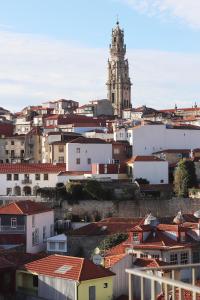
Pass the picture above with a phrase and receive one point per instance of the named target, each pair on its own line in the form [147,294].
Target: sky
[54,49]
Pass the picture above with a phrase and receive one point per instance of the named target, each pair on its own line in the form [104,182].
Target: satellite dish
[97,250]
[197,214]
[97,259]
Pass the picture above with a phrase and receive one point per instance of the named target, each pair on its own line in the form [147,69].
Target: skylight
[63,269]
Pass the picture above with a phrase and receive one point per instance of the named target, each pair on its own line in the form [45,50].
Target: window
[105,285]
[113,97]
[46,176]
[156,256]
[8,191]
[173,259]
[16,176]
[116,151]
[33,221]
[35,237]
[12,142]
[61,246]
[89,161]
[135,236]
[195,257]
[161,181]
[61,159]
[184,258]
[143,255]
[37,176]
[52,246]
[9,176]
[12,153]
[44,233]
[78,161]
[78,150]
[52,230]
[13,223]
[7,152]
[35,280]
[61,148]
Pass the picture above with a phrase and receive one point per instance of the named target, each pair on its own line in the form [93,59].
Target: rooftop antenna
[117,20]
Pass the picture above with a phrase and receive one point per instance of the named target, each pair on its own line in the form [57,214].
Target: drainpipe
[76,290]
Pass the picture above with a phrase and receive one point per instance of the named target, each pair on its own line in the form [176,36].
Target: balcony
[9,229]
[144,283]
[27,181]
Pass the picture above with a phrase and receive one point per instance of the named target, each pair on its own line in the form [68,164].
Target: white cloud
[187,11]
[36,69]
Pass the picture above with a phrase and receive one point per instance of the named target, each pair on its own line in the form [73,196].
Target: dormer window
[135,236]
[182,237]
[13,223]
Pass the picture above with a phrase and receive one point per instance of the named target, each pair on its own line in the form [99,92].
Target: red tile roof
[159,240]
[25,207]
[6,129]
[113,259]
[103,228]
[73,173]
[144,158]
[12,239]
[173,151]
[31,168]
[117,250]
[84,140]
[145,262]
[19,258]
[79,269]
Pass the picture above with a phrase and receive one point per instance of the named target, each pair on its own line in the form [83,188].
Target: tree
[184,177]
[94,189]
[112,241]
[75,190]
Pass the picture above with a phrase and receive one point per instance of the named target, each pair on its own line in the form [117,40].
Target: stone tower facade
[119,83]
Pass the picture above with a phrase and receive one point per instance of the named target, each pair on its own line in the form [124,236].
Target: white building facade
[147,139]
[150,168]
[82,153]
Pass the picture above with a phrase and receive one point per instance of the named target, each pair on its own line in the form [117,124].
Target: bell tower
[119,83]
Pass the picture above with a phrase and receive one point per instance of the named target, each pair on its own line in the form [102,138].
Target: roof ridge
[15,203]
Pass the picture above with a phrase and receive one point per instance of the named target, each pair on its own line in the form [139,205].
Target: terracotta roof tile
[143,158]
[113,259]
[145,262]
[12,239]
[103,228]
[25,207]
[84,140]
[79,269]
[6,129]
[173,151]
[31,168]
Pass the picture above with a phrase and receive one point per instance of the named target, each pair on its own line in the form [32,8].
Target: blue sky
[51,49]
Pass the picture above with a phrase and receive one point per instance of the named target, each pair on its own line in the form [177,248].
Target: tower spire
[119,83]
[117,22]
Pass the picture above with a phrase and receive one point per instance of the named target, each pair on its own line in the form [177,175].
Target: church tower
[119,83]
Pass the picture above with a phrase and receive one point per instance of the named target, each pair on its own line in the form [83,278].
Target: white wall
[153,171]
[98,153]
[151,138]
[42,219]
[51,182]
